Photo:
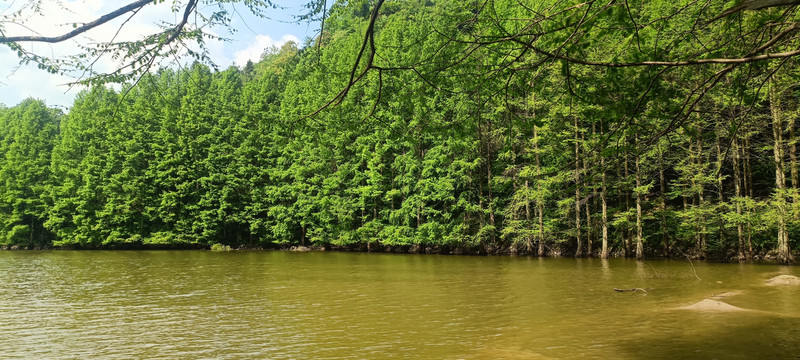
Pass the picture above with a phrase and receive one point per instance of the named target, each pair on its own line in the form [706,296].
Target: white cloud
[254,51]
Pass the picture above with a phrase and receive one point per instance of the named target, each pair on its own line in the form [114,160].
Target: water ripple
[203,305]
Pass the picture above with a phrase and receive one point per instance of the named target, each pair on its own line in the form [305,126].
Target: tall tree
[28,133]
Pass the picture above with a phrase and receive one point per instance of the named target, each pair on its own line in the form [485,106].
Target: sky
[17,83]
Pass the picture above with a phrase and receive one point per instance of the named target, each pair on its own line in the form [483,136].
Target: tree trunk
[586,205]
[540,214]
[748,170]
[745,192]
[579,251]
[701,235]
[528,237]
[720,187]
[626,232]
[32,226]
[780,181]
[663,203]
[540,200]
[303,237]
[793,154]
[604,205]
[639,240]
[738,193]
[719,169]
[489,190]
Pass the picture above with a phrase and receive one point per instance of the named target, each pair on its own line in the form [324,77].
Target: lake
[332,305]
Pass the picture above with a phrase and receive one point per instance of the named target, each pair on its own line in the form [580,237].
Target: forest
[452,127]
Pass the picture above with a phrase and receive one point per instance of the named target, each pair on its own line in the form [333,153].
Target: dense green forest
[454,137]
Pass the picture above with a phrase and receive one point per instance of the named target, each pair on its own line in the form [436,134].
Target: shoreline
[769,257]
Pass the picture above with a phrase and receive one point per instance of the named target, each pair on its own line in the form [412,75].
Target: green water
[281,305]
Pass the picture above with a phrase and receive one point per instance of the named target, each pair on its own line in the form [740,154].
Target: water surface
[282,305]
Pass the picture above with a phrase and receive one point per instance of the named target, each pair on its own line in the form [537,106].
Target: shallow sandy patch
[784,280]
[713,305]
[727,294]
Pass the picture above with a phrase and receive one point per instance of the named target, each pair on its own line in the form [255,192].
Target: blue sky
[253,35]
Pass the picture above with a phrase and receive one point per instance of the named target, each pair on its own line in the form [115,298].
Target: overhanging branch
[743,60]
[81,29]
[755,5]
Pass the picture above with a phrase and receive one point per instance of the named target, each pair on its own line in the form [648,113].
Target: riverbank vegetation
[457,133]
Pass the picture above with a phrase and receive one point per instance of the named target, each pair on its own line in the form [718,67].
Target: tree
[28,133]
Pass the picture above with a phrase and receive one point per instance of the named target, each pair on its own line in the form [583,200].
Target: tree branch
[81,29]
[742,60]
[369,39]
[754,5]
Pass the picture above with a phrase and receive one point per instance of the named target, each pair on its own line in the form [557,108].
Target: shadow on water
[725,335]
